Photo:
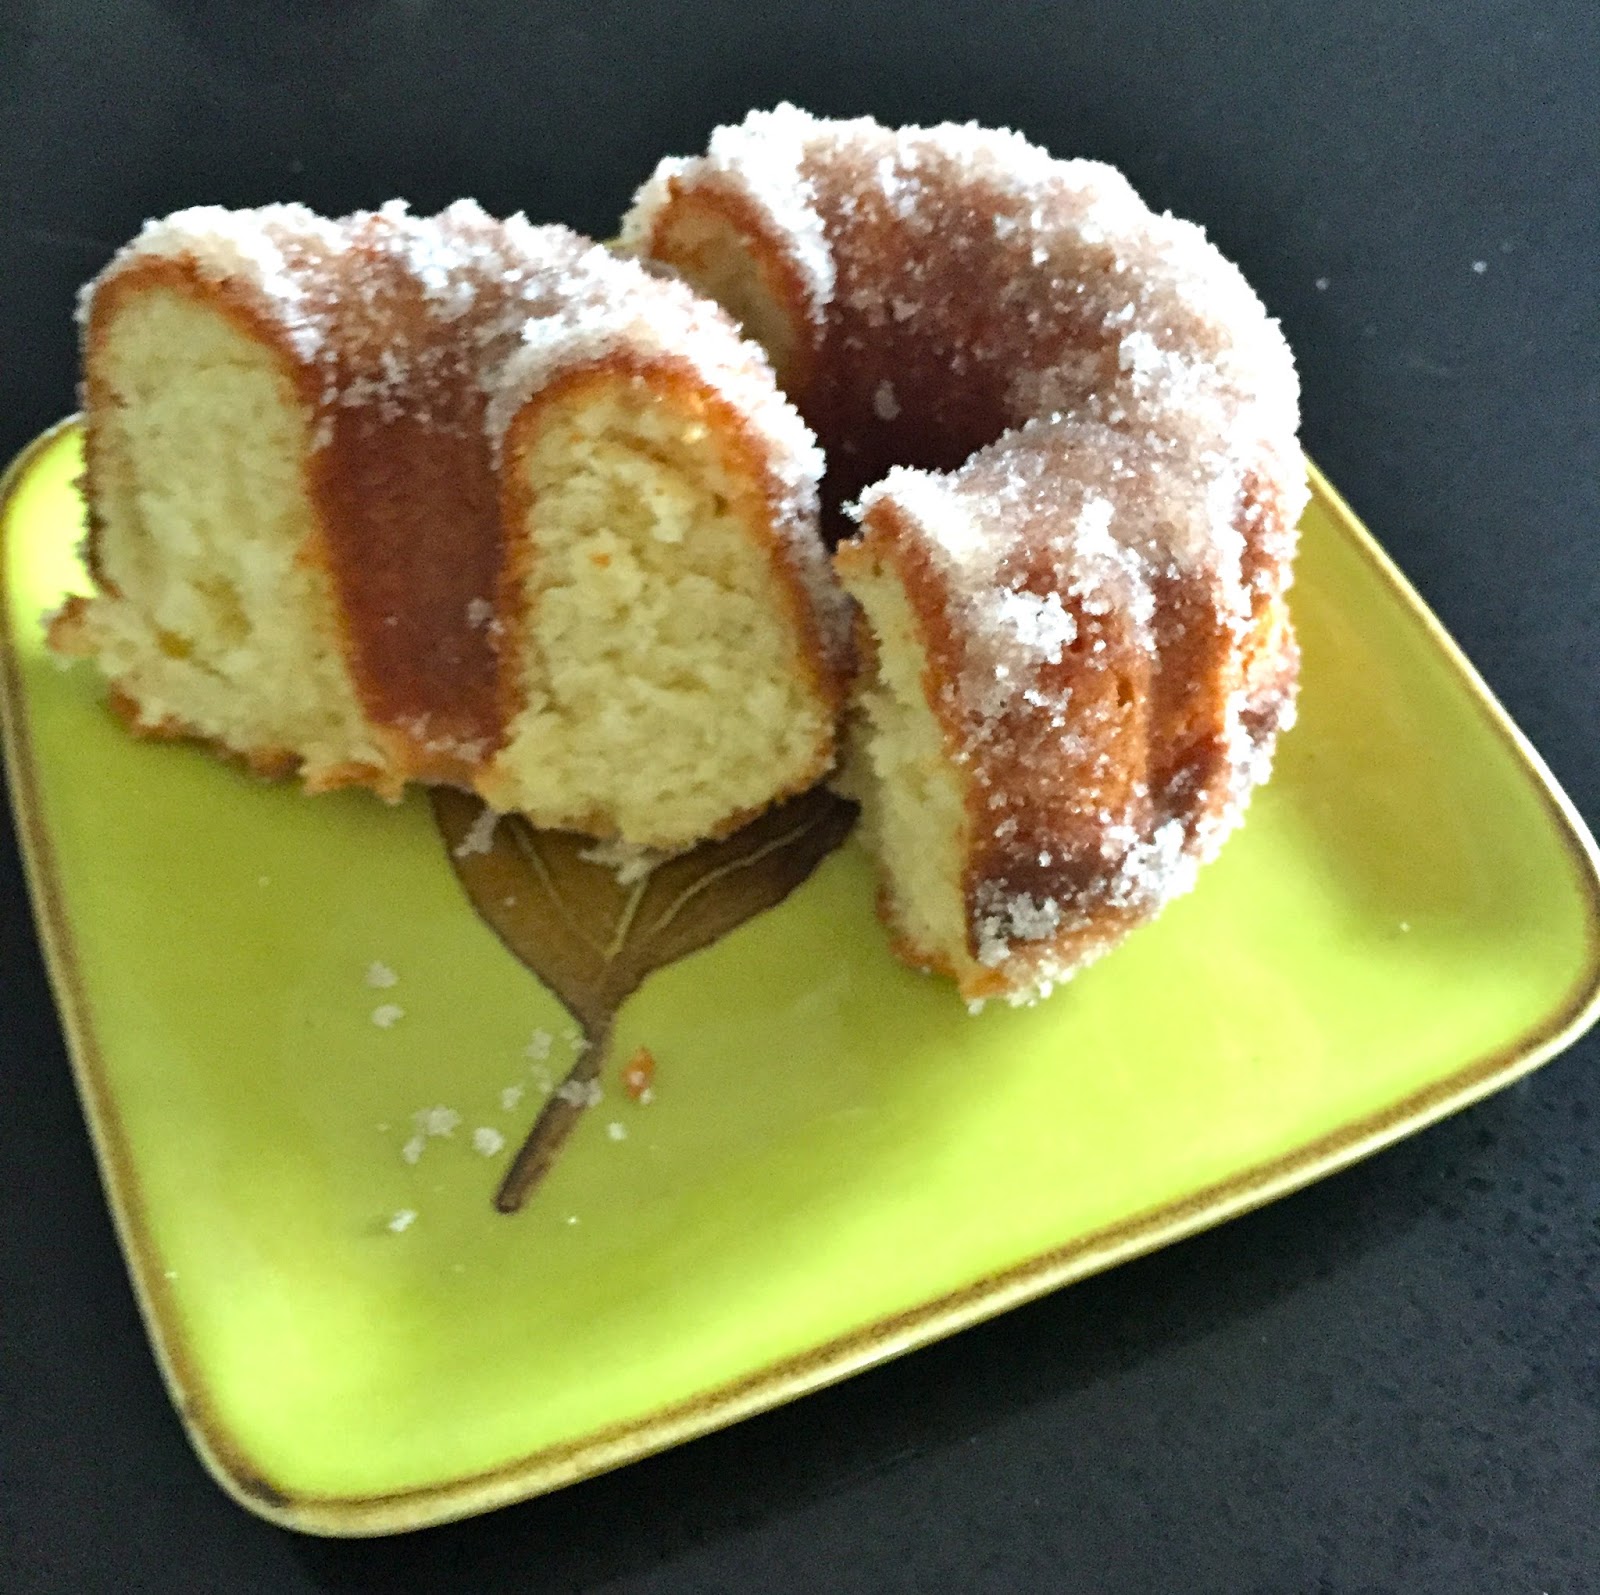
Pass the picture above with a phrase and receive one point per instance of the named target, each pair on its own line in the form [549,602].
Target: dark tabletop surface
[1390,1382]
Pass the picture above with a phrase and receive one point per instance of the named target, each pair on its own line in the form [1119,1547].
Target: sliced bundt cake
[1067,428]
[457,500]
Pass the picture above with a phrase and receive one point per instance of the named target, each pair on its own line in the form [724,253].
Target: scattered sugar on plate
[439,1121]
[480,835]
[538,1046]
[1480,266]
[380,976]
[487,1142]
[617,1130]
[581,1093]
[402,1220]
[510,1097]
[627,861]
[542,1079]
[412,1150]
[387,1014]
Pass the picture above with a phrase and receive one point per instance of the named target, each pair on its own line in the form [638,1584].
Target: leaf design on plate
[592,939]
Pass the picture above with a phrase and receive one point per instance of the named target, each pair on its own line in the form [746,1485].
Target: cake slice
[394,499]
[1052,728]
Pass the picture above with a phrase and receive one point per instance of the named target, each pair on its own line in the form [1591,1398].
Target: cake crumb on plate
[638,1077]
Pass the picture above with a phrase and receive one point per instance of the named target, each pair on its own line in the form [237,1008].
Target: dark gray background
[1390,1382]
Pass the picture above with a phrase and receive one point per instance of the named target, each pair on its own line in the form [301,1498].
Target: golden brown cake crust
[407,457]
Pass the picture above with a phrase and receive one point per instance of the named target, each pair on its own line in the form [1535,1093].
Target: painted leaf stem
[592,933]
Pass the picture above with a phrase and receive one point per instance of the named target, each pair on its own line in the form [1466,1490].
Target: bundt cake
[455,500]
[1068,429]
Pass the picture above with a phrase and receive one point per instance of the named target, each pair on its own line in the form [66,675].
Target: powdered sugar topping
[763,156]
[264,248]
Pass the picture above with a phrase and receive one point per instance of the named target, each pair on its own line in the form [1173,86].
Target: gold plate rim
[554,1466]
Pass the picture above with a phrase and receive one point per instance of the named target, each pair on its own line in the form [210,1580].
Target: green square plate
[840,1164]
